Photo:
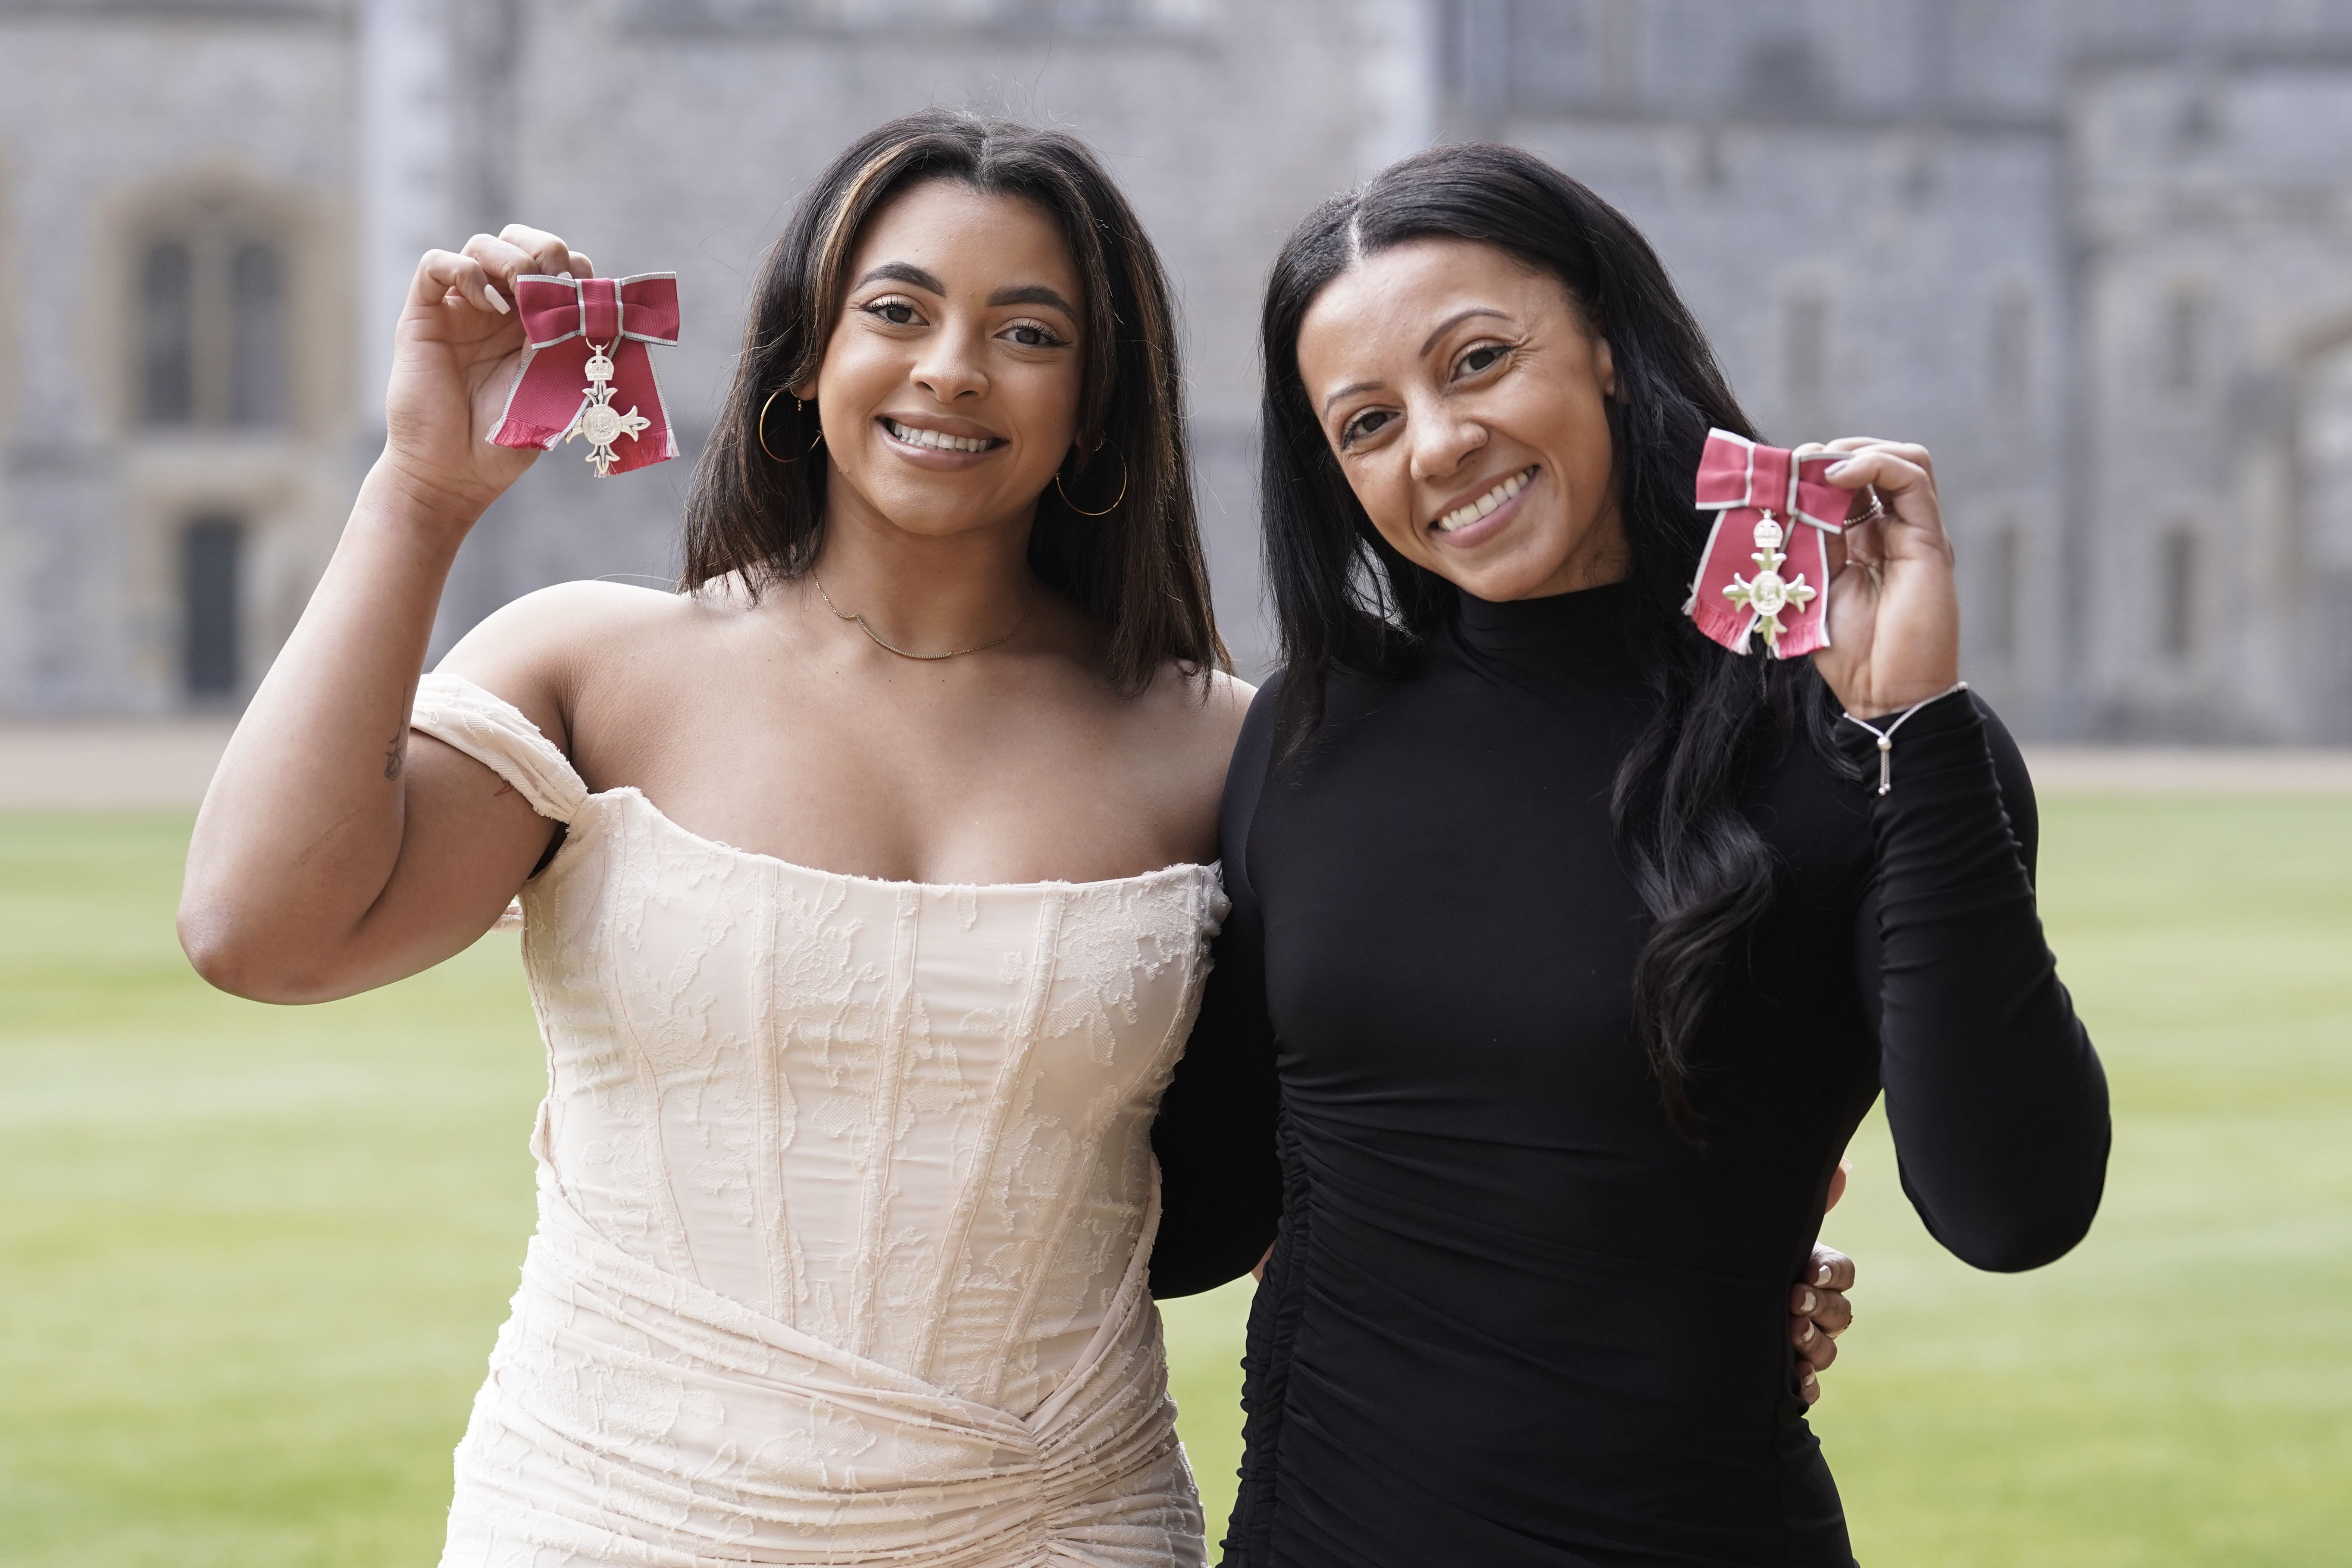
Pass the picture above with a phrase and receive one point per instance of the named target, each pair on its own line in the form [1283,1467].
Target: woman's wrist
[1904,701]
[424,506]
[1919,729]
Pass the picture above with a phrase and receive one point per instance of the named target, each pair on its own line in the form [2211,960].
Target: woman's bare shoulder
[538,650]
[1194,715]
[1225,699]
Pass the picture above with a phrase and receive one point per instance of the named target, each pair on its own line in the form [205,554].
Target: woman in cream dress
[862,947]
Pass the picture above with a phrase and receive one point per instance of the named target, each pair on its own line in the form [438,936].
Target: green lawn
[251,1260]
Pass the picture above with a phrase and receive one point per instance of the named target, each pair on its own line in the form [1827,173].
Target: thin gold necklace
[880,642]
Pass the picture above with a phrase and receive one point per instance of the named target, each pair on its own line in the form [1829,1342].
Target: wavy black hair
[1344,598]
[1140,570]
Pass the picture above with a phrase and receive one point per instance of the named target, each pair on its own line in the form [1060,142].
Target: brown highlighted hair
[1140,570]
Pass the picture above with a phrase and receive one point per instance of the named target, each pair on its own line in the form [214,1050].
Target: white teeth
[1473,511]
[916,437]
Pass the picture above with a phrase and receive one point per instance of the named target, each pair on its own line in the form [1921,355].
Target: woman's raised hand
[453,356]
[322,863]
[1893,609]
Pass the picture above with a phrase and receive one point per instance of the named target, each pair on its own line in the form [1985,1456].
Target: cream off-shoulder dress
[846,1199]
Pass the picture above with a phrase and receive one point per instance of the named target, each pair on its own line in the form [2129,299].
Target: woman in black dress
[1579,944]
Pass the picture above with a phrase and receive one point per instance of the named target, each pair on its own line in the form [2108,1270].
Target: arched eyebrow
[1455,320]
[1034,294]
[903,272]
[1022,294]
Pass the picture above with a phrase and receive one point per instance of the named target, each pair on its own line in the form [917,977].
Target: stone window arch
[213,306]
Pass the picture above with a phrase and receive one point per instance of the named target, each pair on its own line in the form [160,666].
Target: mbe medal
[1778,509]
[586,370]
[598,422]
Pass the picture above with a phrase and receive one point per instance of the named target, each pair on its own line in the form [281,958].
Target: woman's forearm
[1995,1097]
[301,828]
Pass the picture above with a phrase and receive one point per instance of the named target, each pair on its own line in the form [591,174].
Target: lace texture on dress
[835,1175]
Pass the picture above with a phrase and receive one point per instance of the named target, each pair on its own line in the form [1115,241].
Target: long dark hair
[1140,570]
[1344,598]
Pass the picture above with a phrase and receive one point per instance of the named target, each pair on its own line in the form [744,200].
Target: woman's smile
[931,442]
[1486,514]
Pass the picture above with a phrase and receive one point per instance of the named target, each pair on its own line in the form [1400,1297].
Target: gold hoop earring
[1115,499]
[762,428]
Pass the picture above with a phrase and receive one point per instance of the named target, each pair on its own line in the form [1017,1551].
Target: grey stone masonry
[2095,253]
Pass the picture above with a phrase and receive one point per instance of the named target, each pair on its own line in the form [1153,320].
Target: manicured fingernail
[1812,1300]
[1837,470]
[1808,1377]
[1807,1337]
[495,303]
[1821,1275]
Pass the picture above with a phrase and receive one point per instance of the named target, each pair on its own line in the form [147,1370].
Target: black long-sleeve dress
[1511,1317]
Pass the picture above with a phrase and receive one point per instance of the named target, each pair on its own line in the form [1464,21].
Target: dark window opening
[1783,79]
[2200,119]
[257,366]
[212,554]
[2180,590]
[167,321]
[2184,341]
[2003,579]
[214,330]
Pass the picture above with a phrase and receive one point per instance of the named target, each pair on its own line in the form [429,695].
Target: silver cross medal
[1768,593]
[598,423]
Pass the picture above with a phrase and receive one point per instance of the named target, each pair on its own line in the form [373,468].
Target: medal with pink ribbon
[1766,569]
[587,372]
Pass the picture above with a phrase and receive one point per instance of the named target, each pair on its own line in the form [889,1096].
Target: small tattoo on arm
[394,753]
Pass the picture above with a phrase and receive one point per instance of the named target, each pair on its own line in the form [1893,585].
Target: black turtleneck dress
[1511,1317]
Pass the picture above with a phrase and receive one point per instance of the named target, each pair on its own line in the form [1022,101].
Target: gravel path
[2182,770]
[98,765]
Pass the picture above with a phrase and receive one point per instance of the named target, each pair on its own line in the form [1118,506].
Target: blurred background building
[2096,252]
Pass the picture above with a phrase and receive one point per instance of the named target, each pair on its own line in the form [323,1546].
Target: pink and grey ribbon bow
[1765,568]
[586,372]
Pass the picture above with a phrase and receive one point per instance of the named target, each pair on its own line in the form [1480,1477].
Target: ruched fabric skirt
[635,1417]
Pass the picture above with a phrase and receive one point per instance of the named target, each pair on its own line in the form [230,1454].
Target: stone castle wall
[2096,253]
